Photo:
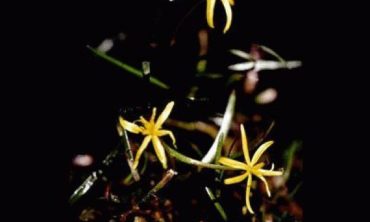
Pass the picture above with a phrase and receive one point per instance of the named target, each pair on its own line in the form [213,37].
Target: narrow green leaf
[295,190]
[260,138]
[289,157]
[224,129]
[196,150]
[136,72]
[145,165]
[209,75]
[216,204]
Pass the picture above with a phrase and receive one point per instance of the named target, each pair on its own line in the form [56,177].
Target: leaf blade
[128,68]
[224,129]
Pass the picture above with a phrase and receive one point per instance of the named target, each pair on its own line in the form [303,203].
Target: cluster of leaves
[132,194]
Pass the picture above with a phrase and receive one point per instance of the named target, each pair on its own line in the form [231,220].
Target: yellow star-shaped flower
[251,167]
[152,131]
[210,12]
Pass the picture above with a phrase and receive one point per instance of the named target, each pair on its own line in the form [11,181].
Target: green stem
[185,159]
[128,68]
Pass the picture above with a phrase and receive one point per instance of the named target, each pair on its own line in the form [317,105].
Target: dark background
[93,90]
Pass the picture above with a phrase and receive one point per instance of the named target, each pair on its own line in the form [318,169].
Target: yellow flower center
[150,129]
[254,169]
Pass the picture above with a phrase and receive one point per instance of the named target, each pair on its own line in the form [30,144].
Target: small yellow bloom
[152,131]
[251,167]
[210,12]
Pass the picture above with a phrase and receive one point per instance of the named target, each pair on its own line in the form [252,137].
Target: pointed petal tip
[270,142]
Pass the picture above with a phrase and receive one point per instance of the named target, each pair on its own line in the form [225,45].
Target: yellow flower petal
[131,127]
[266,185]
[258,166]
[144,122]
[248,193]
[164,115]
[159,150]
[210,12]
[232,163]
[229,14]
[236,179]
[260,151]
[245,145]
[141,149]
[167,132]
[154,112]
[256,169]
[270,172]
[231,2]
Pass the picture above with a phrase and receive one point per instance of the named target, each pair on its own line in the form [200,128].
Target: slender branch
[164,181]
